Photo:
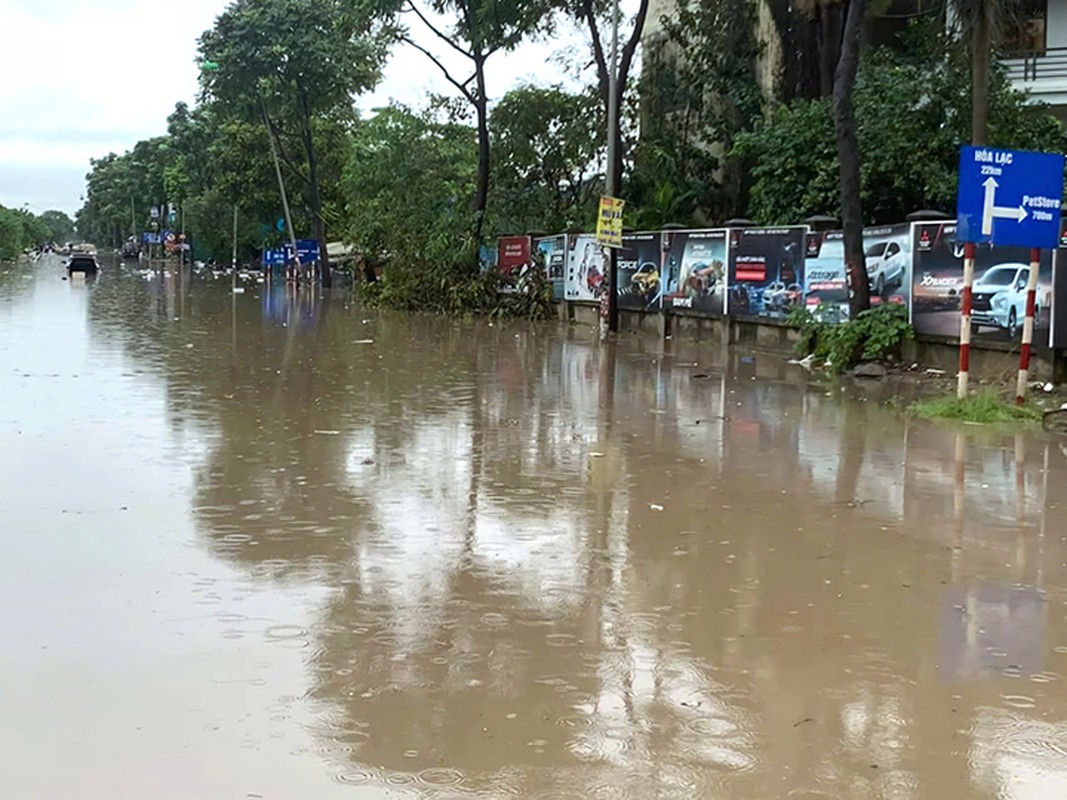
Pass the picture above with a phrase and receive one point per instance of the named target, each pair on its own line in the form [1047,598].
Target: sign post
[1007,197]
[609,235]
[1028,326]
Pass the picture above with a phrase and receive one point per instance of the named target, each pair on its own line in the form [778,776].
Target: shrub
[874,335]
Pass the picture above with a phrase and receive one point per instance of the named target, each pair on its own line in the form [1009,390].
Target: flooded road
[267,546]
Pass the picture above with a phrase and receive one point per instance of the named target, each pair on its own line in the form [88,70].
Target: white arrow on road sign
[990,210]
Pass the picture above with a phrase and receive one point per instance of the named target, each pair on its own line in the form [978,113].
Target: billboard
[887,253]
[585,269]
[640,262]
[998,297]
[695,271]
[553,250]
[512,254]
[766,276]
[825,280]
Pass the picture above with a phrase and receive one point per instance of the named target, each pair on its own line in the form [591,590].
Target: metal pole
[233,261]
[281,183]
[965,321]
[612,177]
[1028,326]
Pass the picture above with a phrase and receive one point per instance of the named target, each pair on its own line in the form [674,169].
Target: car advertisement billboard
[695,271]
[585,269]
[998,297]
[553,254]
[512,254]
[887,253]
[825,282]
[766,277]
[640,261]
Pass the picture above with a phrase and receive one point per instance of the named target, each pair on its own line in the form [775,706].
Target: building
[1035,46]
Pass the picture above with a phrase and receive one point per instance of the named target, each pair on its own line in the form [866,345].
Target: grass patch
[982,408]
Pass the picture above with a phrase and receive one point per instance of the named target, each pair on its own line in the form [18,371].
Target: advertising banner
[553,250]
[825,280]
[998,295]
[512,254]
[1059,299]
[888,255]
[766,277]
[609,222]
[585,269]
[695,271]
[640,265]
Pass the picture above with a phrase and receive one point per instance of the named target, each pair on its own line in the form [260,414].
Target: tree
[698,91]
[927,87]
[290,63]
[479,29]
[979,23]
[120,190]
[409,181]
[591,14]
[848,155]
[548,146]
[60,226]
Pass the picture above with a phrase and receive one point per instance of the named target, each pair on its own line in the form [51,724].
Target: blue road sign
[1009,197]
[274,257]
[307,250]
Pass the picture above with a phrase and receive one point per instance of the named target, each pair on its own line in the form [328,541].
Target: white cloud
[85,79]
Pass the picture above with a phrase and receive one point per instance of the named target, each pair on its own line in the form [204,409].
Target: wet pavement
[273,546]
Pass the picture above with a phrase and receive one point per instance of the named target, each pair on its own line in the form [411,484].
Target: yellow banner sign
[609,222]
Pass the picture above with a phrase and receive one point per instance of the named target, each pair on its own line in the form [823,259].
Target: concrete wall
[989,361]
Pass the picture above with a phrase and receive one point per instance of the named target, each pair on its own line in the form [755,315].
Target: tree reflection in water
[552,566]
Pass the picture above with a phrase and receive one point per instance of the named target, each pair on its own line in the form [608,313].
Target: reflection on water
[415,557]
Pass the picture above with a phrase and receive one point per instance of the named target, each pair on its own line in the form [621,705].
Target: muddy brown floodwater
[266,546]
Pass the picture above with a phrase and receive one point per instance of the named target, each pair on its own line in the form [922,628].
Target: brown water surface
[276,546]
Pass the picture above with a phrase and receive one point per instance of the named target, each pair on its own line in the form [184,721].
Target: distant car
[885,266]
[998,298]
[84,263]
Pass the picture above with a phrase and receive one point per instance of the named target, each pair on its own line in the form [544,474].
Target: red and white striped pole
[965,321]
[1028,326]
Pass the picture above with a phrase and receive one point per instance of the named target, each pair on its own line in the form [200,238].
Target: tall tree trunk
[629,48]
[980,46]
[481,197]
[319,225]
[848,155]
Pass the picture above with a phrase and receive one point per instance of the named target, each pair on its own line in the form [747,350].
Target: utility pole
[281,183]
[233,262]
[611,178]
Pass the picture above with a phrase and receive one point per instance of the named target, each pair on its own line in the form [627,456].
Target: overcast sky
[82,79]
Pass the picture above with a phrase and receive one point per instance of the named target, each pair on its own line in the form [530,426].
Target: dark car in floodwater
[84,263]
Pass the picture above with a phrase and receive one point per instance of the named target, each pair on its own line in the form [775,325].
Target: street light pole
[612,177]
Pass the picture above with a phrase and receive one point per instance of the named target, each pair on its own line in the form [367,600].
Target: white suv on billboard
[998,298]
[885,265]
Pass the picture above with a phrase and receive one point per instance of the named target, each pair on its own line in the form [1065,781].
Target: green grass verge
[984,408]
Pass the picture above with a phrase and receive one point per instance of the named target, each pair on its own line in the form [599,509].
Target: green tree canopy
[549,153]
[913,114]
[409,183]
